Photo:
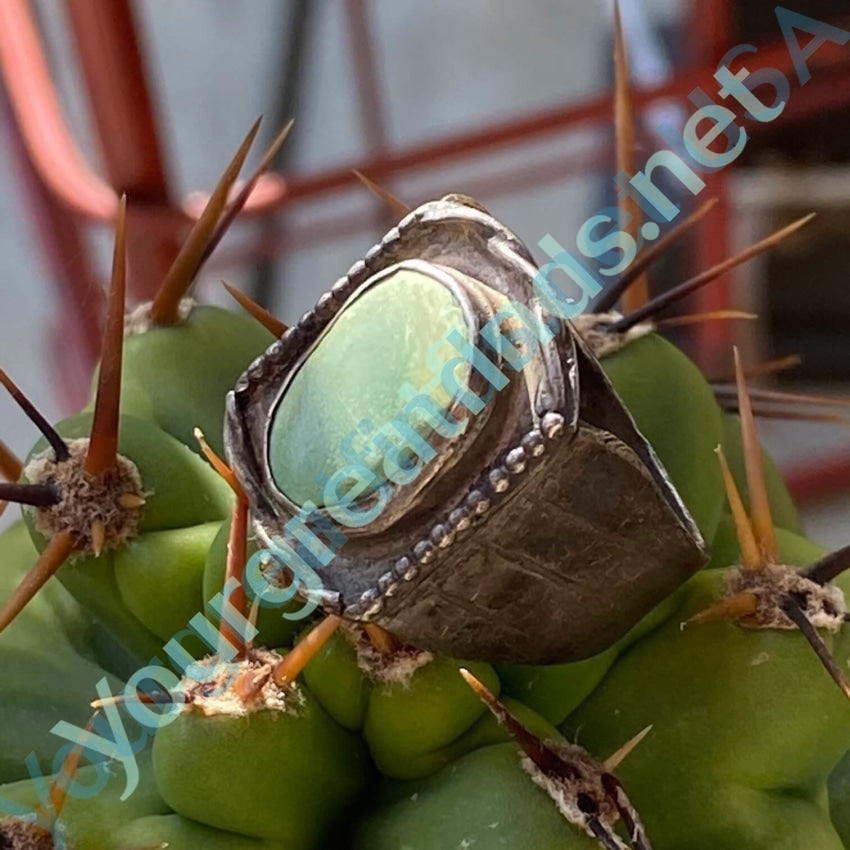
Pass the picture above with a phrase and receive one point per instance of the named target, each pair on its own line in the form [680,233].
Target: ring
[505,506]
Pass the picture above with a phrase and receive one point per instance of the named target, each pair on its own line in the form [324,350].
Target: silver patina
[543,532]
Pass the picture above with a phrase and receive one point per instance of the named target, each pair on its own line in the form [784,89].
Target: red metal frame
[36,109]
[710,41]
[821,479]
[72,194]
[111,63]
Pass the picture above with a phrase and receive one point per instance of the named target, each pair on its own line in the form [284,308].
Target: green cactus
[284,771]
[749,716]
[208,351]
[331,732]
[184,503]
[48,662]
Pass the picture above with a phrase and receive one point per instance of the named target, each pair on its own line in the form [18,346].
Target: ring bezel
[459,239]
[476,313]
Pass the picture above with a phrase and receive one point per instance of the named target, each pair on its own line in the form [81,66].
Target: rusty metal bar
[819,479]
[372,116]
[66,173]
[39,115]
[710,32]
[119,97]
[111,62]
[366,75]
[52,148]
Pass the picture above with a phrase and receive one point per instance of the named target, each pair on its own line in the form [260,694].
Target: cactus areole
[452,459]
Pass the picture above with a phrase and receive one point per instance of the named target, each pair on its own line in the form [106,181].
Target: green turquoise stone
[353,377]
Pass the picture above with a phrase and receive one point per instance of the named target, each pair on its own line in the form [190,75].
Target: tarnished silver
[540,536]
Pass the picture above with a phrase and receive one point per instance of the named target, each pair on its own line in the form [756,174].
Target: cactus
[285,717]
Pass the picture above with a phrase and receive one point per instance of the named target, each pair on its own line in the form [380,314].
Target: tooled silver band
[564,535]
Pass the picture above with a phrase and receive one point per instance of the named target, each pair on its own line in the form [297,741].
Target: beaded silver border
[495,480]
[492,487]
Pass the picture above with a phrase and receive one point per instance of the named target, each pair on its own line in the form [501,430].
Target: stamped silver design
[529,519]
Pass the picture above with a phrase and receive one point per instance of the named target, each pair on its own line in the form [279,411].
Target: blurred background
[508,102]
